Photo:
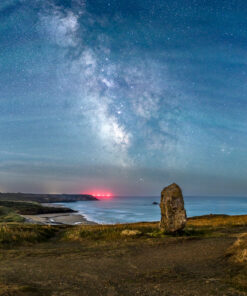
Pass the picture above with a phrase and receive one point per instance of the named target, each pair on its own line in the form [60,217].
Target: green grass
[8,215]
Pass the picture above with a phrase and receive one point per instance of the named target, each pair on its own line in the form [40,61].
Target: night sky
[123,96]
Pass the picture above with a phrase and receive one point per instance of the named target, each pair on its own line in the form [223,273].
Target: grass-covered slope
[9,215]
[32,208]
[11,211]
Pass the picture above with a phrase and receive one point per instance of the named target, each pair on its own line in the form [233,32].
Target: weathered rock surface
[173,214]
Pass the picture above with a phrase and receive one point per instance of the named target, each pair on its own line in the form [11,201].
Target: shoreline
[70,218]
[58,219]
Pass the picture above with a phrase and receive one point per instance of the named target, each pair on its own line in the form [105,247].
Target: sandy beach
[63,218]
[58,218]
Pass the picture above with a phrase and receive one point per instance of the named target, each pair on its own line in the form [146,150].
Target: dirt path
[167,266]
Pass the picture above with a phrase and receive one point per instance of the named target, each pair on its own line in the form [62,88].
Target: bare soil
[144,266]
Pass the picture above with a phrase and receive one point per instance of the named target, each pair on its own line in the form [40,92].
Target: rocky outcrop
[173,214]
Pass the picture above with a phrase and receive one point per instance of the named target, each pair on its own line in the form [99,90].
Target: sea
[128,209]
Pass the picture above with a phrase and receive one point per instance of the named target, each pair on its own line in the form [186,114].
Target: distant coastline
[40,208]
[56,218]
[46,198]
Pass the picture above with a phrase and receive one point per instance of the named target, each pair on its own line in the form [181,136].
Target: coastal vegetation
[198,227]
[9,215]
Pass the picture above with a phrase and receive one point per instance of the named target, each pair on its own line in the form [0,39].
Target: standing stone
[173,214]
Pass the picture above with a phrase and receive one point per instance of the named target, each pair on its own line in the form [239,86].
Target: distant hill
[47,198]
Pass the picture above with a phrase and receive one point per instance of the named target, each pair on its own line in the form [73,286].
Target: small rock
[129,232]
[173,214]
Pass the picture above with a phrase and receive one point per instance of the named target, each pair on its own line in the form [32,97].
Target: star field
[124,96]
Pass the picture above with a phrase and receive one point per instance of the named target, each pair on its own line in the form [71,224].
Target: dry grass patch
[12,234]
[18,233]
[238,251]
[237,257]
[110,232]
[196,227]
[218,221]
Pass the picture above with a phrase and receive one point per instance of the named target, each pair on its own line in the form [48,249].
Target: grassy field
[208,258]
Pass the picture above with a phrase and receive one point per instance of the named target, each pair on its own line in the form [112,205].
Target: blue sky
[123,96]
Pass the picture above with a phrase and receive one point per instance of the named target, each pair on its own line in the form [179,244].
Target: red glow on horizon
[101,195]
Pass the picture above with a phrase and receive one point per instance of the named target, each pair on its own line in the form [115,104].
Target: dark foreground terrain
[208,258]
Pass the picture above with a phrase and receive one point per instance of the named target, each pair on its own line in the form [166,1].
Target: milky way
[123,96]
